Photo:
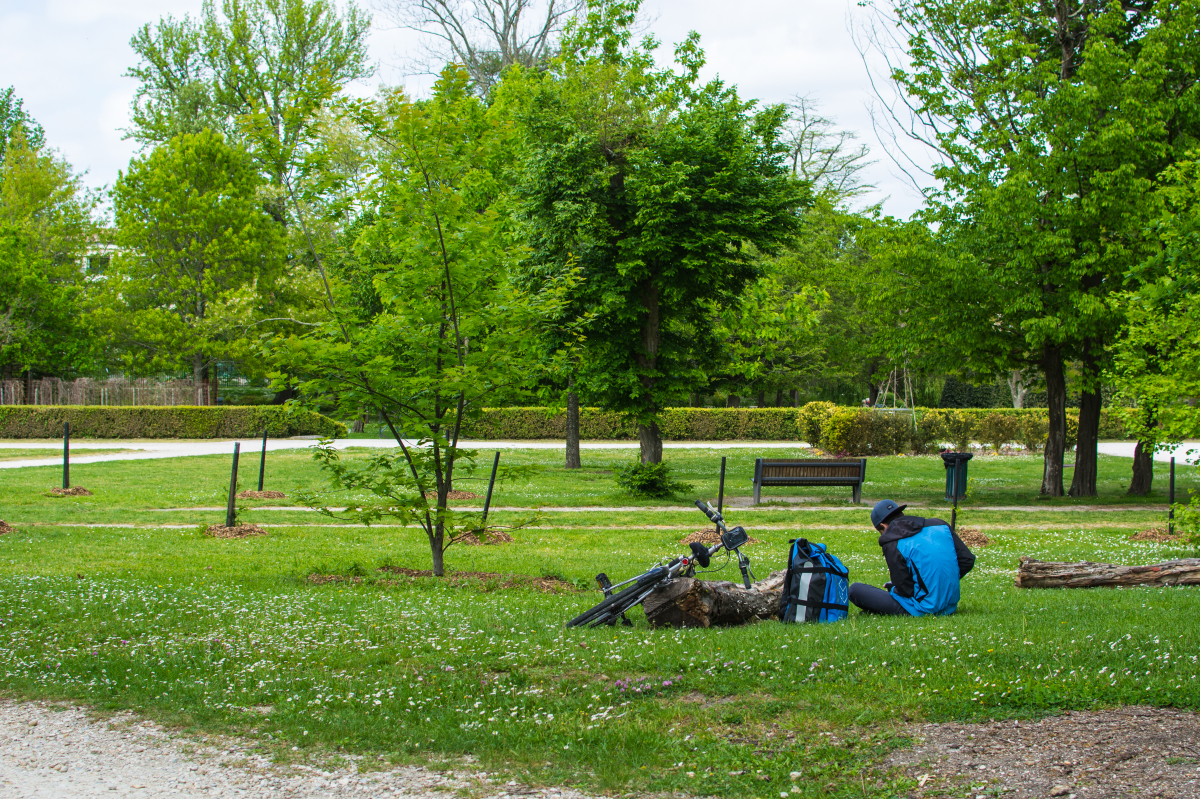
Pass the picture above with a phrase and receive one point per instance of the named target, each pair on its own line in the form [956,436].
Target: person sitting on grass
[925,558]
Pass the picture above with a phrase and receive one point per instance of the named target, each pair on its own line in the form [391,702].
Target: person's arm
[966,558]
[902,581]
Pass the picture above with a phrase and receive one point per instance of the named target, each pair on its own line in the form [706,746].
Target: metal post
[1171,501]
[721,490]
[487,503]
[66,454]
[954,491]
[262,461]
[229,515]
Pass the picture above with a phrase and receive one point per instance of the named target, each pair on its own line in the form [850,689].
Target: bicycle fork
[606,587]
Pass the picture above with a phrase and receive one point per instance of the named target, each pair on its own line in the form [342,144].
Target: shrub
[174,421]
[862,431]
[928,429]
[648,480]
[1034,430]
[811,420]
[999,428]
[960,429]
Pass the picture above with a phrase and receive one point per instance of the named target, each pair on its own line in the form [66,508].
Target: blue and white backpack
[816,585]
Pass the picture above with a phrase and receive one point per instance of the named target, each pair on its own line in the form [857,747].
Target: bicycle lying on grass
[614,605]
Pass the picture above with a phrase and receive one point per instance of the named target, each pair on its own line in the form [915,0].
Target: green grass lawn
[231,636]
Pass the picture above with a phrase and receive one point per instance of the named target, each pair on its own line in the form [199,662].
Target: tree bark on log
[1052,574]
[688,602]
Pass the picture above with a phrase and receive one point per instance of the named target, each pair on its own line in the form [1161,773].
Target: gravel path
[62,752]
[1106,754]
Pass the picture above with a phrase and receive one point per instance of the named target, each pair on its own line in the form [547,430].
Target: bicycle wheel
[613,606]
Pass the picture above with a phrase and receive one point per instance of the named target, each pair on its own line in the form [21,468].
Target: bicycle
[614,605]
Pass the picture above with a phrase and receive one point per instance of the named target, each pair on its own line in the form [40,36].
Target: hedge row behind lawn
[852,430]
[174,421]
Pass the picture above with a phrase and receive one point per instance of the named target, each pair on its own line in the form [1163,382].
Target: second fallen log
[1053,574]
[688,602]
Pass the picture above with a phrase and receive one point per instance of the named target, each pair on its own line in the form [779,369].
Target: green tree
[654,185]
[47,230]
[197,261]
[13,118]
[425,325]
[1157,364]
[261,71]
[1051,123]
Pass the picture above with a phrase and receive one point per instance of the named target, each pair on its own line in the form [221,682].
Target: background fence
[110,391]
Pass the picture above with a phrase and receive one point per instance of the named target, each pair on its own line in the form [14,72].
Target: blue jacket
[926,561]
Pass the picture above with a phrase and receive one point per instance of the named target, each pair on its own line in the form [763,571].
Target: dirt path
[66,753]
[1123,752]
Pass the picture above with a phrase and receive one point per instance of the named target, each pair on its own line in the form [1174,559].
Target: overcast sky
[66,59]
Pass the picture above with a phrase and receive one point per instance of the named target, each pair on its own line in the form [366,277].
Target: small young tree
[198,256]
[426,325]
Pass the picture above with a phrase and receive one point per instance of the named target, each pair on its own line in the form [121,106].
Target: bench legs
[858,494]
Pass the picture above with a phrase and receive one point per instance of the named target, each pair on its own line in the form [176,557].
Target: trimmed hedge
[173,421]
[679,424]
[859,431]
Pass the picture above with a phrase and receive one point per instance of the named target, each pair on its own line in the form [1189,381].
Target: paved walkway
[147,450]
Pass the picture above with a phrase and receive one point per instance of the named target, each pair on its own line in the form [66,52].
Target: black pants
[875,600]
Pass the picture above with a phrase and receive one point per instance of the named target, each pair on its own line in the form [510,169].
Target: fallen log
[1052,574]
[688,602]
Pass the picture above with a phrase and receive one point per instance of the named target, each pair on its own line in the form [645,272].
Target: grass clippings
[471,539]
[1158,534]
[453,495]
[73,491]
[237,531]
[261,495]
[489,580]
[708,536]
[973,537]
[6,528]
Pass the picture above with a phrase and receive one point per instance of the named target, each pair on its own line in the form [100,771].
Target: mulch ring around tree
[1158,534]
[6,528]
[453,495]
[471,539]
[261,495]
[73,491]
[485,581]
[973,537]
[708,536]
[237,531]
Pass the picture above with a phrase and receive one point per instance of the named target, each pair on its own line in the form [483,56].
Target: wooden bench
[769,472]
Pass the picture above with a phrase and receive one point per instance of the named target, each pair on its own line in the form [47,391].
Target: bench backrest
[784,467]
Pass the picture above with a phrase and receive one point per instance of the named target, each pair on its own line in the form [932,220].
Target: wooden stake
[66,454]
[229,510]
[721,490]
[487,503]
[1171,501]
[262,461]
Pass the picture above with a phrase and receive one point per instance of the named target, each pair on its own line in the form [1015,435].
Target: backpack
[816,585]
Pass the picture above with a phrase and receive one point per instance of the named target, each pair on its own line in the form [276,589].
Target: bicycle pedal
[604,583]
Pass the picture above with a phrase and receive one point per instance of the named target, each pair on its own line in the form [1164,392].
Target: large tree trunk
[761,399]
[573,460]
[1051,574]
[1056,439]
[1143,469]
[795,398]
[733,401]
[435,549]
[873,394]
[651,441]
[1083,484]
[647,359]
[688,602]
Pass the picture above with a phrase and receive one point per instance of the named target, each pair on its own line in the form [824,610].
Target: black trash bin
[956,473]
